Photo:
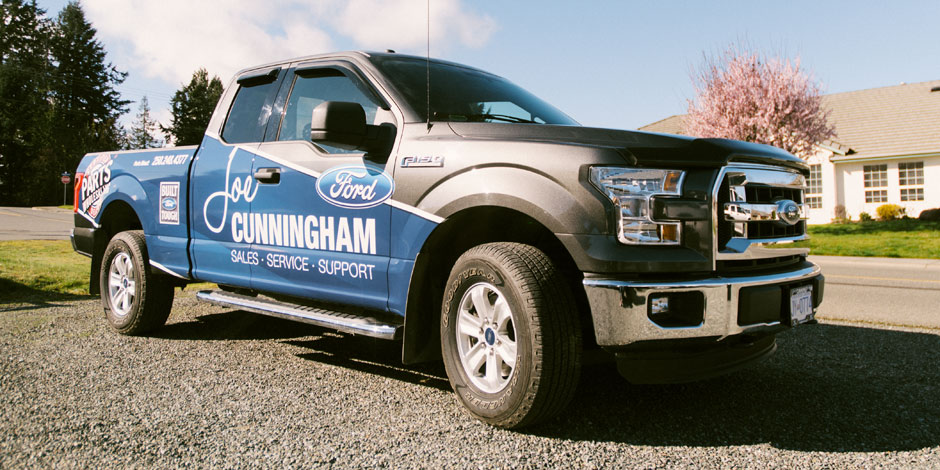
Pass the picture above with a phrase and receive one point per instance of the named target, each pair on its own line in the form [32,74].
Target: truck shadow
[829,388]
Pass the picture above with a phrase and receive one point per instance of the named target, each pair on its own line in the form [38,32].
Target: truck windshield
[462,94]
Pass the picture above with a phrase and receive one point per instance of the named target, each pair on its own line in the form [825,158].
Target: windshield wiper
[503,117]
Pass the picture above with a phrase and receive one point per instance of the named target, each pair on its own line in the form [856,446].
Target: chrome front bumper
[620,308]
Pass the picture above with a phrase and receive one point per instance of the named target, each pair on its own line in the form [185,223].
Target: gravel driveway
[220,388]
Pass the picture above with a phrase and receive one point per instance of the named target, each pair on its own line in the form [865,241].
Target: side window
[250,111]
[313,87]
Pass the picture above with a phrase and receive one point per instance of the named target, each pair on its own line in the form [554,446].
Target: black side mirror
[339,124]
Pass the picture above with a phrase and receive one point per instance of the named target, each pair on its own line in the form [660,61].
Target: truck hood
[642,148]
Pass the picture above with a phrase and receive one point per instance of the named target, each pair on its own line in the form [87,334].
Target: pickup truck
[447,209]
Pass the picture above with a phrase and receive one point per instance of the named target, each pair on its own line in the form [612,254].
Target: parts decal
[355,187]
[169,202]
[96,184]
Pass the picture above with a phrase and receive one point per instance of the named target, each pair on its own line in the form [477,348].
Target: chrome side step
[341,321]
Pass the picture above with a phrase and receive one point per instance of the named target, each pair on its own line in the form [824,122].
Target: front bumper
[742,305]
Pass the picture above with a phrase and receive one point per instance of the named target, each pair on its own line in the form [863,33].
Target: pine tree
[141,134]
[86,105]
[192,107]
[24,109]
[745,96]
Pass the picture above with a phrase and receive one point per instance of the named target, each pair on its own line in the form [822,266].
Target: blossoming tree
[742,95]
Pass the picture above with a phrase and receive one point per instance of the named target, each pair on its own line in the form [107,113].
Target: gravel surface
[220,388]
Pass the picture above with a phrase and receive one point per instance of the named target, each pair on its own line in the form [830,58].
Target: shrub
[864,217]
[930,215]
[890,212]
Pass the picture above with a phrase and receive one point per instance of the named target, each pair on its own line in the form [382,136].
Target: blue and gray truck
[447,209]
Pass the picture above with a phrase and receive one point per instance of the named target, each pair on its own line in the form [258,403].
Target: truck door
[222,186]
[321,229]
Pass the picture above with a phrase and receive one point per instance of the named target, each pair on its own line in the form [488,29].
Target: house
[886,151]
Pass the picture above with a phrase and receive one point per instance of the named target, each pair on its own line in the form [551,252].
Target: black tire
[543,330]
[146,305]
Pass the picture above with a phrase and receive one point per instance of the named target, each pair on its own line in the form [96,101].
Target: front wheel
[510,335]
[135,300]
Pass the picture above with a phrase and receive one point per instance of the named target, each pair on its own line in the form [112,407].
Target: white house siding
[830,184]
[853,186]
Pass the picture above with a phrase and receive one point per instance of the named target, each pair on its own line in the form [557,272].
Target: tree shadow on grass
[12,292]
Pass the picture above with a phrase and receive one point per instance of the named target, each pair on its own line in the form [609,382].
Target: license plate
[801,305]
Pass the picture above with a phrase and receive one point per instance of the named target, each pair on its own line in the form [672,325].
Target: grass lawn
[910,238]
[41,270]
[41,267]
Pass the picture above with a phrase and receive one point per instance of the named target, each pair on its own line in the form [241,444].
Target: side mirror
[339,124]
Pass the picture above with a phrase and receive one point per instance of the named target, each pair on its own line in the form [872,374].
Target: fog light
[677,309]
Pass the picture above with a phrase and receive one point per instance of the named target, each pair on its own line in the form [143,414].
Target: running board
[340,321]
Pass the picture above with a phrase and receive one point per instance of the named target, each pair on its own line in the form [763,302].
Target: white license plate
[801,305]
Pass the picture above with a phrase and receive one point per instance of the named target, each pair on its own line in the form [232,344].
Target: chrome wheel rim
[486,338]
[122,284]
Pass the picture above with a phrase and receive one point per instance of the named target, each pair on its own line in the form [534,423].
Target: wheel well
[117,217]
[456,235]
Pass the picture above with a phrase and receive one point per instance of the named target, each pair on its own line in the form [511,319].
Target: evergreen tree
[192,107]
[141,134]
[85,104]
[24,108]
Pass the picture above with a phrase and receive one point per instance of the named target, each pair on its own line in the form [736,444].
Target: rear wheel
[135,300]
[510,335]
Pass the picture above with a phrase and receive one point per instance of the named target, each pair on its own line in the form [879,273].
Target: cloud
[394,24]
[170,39]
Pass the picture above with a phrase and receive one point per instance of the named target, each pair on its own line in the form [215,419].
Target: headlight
[630,189]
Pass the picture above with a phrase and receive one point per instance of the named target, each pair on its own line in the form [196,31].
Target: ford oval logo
[788,212]
[355,187]
[169,203]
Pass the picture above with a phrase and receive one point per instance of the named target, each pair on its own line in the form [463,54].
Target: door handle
[268,175]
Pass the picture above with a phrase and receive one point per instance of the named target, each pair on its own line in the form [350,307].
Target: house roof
[878,122]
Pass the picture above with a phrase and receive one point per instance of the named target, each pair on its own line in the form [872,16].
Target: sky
[616,64]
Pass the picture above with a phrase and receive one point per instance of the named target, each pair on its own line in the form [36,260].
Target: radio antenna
[428,64]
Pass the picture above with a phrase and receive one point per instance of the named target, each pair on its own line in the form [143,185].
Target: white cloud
[170,39]
[394,24]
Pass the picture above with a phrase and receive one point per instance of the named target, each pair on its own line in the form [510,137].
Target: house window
[912,194]
[876,176]
[814,187]
[911,173]
[880,195]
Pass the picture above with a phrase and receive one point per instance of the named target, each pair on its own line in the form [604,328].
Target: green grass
[908,238]
[41,268]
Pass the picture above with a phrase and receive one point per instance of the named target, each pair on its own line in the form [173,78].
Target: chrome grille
[757,206]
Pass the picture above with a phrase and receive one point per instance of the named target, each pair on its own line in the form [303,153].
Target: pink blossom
[746,97]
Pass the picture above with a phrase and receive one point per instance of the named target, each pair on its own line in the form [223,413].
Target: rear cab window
[251,108]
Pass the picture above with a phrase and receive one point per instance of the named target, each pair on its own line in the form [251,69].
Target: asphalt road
[39,223]
[881,291]
[224,389]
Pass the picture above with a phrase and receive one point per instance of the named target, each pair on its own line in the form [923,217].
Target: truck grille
[758,204]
